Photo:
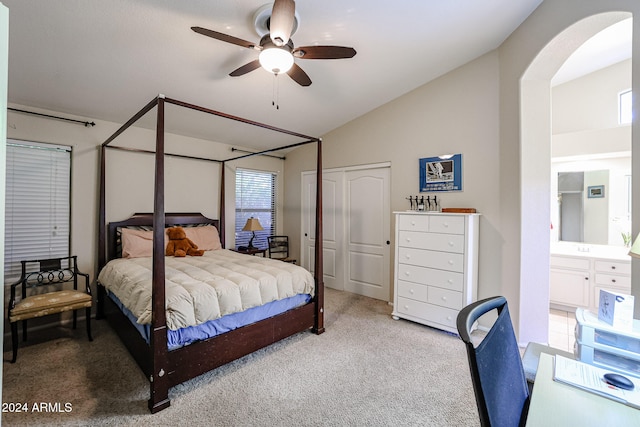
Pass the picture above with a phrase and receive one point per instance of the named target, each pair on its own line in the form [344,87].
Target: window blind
[37,202]
[255,197]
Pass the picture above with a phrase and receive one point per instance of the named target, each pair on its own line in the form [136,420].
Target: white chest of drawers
[436,267]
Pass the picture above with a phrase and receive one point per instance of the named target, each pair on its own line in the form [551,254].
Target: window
[255,197]
[625,107]
[37,204]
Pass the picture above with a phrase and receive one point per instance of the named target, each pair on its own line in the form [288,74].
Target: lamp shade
[276,60]
[635,248]
[252,225]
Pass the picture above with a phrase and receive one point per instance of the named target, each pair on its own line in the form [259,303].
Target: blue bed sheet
[185,336]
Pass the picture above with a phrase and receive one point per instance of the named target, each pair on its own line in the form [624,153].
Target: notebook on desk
[591,378]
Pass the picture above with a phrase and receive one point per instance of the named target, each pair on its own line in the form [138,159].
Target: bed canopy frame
[163,368]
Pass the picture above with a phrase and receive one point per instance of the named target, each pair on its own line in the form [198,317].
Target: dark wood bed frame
[164,368]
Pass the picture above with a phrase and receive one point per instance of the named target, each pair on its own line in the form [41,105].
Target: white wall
[457,113]
[588,137]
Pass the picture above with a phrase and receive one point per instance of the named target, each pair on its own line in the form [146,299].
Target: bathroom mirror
[593,206]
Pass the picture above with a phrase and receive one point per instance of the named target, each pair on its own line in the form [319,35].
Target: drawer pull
[613,267]
[613,280]
[411,291]
[450,262]
[413,223]
[407,273]
[406,307]
[408,239]
[445,224]
[444,298]
[450,281]
[449,318]
[407,256]
[451,244]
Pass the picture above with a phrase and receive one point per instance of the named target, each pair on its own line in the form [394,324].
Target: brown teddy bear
[180,245]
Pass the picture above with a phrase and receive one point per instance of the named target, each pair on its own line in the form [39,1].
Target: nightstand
[250,251]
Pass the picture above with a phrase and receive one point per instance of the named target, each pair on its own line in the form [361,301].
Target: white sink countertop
[616,253]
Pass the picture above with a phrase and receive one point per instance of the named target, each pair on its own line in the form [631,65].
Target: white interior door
[368,232]
[356,228]
[333,226]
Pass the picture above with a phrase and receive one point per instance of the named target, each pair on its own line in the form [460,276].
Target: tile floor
[561,329]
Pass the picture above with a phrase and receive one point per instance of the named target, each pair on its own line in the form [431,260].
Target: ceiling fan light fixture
[276,60]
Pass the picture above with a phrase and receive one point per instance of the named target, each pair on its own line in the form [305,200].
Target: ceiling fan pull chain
[274,94]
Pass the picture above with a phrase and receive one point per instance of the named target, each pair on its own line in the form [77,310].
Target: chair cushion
[49,303]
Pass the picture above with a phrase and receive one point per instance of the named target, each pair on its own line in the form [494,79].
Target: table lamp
[253,225]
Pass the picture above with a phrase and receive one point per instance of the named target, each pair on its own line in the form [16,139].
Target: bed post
[159,383]
[221,216]
[102,231]
[318,327]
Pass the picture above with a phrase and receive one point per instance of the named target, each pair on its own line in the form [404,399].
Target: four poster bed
[182,317]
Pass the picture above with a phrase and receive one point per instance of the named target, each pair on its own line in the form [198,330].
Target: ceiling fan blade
[299,76]
[246,68]
[224,37]
[324,52]
[282,20]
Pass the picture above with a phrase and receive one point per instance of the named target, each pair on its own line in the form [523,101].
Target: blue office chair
[498,378]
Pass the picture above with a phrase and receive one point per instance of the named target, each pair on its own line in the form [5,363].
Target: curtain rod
[252,152]
[86,124]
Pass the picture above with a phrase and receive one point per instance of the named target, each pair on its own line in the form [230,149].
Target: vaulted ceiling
[106,59]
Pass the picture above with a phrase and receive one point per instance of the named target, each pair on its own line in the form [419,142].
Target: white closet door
[333,226]
[356,228]
[368,232]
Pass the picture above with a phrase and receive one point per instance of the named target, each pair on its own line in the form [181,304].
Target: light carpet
[365,370]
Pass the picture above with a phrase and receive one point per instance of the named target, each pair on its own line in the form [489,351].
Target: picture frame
[595,191]
[441,173]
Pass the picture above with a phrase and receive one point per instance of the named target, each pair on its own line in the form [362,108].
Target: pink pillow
[205,237]
[138,243]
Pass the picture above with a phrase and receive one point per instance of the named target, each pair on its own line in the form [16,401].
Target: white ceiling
[106,59]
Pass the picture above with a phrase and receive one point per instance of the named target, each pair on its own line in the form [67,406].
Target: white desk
[558,404]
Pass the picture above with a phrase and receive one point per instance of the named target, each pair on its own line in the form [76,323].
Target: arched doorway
[535,153]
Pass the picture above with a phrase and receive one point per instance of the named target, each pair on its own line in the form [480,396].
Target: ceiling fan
[276,48]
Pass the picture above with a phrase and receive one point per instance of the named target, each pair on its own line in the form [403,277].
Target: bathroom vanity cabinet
[576,277]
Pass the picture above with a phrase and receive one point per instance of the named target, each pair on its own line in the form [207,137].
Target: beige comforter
[199,289]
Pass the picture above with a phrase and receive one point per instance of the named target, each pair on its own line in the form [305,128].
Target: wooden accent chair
[46,278]
[279,248]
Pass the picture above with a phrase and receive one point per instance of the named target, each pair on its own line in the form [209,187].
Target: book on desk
[591,378]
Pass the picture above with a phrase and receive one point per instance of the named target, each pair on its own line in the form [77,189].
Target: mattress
[185,336]
[201,289]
